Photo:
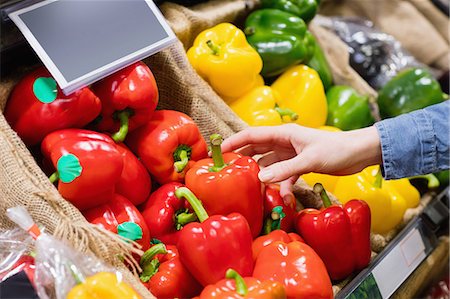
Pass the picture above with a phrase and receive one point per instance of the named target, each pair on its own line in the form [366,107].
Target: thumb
[283,170]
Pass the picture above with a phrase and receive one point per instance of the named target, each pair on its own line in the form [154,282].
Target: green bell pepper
[305,9]
[281,39]
[410,90]
[347,110]
[443,177]
[320,64]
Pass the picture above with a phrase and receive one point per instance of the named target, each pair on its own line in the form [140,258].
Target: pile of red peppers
[208,226]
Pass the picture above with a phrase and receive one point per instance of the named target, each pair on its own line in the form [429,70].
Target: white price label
[399,263]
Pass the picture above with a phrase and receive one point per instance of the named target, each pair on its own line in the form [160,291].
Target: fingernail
[265,175]
[288,199]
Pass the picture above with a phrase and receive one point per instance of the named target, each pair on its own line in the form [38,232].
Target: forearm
[415,143]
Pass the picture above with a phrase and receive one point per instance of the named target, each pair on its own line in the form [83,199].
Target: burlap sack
[405,22]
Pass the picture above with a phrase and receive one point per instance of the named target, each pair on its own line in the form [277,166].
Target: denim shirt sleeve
[416,143]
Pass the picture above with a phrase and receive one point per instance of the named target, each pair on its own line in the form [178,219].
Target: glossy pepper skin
[297,267]
[222,56]
[213,179]
[410,90]
[348,110]
[165,276]
[234,286]
[340,235]
[301,90]
[277,214]
[305,9]
[102,285]
[121,217]
[129,98]
[202,246]
[135,182]
[88,165]
[320,63]
[37,107]
[386,204]
[165,213]
[281,39]
[276,235]
[259,108]
[168,145]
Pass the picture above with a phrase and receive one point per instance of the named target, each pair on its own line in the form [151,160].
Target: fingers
[251,150]
[282,170]
[274,157]
[252,135]
[286,190]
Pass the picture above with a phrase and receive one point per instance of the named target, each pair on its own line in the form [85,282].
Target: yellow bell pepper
[327,181]
[222,56]
[259,108]
[301,90]
[100,286]
[406,190]
[387,206]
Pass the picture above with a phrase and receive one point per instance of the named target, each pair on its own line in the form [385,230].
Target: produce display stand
[403,269]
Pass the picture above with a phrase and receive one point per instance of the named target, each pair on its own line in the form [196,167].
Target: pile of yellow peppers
[222,56]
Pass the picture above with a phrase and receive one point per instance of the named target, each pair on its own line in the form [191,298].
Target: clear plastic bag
[61,271]
[15,247]
[375,55]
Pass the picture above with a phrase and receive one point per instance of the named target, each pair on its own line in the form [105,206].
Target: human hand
[290,150]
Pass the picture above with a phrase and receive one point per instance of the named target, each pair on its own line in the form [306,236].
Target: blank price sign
[82,41]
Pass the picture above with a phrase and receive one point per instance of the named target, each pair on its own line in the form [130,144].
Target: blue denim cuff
[408,145]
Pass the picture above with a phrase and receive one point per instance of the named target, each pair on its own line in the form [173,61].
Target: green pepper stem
[267,228]
[216,150]
[378,179]
[319,189]
[433,181]
[195,203]
[148,264]
[184,218]
[180,165]
[120,135]
[241,287]
[54,177]
[214,48]
[249,31]
[287,112]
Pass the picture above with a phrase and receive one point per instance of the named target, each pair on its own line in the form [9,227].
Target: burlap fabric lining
[23,183]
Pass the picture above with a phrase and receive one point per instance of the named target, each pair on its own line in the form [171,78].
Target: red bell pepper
[276,235]
[212,180]
[297,267]
[37,107]
[168,145]
[165,276]
[339,234]
[129,98]
[234,286]
[88,165]
[121,217]
[208,249]
[165,214]
[135,182]
[277,214]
